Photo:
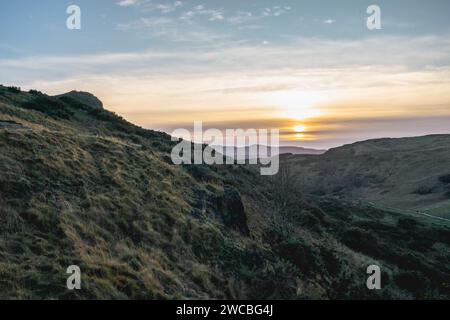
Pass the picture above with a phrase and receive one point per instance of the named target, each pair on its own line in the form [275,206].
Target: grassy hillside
[407,173]
[82,186]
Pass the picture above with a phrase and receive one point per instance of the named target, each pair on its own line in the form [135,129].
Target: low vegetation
[82,186]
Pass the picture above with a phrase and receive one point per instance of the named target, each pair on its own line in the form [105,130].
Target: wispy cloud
[171,30]
[127,3]
[243,17]
[275,11]
[179,26]
[149,6]
[202,11]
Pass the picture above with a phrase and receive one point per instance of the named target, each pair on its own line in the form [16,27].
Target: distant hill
[82,186]
[405,173]
[300,150]
[251,154]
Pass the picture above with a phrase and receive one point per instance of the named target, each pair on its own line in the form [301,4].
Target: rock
[84,98]
[232,211]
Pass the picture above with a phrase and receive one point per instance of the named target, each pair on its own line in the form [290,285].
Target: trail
[431,216]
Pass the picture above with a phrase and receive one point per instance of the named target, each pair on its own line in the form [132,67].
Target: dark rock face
[232,211]
[84,98]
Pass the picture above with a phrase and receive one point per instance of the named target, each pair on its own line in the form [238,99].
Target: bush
[445,179]
[14,89]
[412,281]
[50,106]
[406,223]
[75,103]
[362,241]
[201,172]
[424,190]
[299,254]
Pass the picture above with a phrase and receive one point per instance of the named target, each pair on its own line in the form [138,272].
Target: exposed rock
[85,98]
[232,210]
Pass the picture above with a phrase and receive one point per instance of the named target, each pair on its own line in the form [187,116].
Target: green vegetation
[14,89]
[445,179]
[49,106]
[81,185]
[406,173]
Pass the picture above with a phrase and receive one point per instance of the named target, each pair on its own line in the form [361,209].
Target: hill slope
[82,186]
[407,173]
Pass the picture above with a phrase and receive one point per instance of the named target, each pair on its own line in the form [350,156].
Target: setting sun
[299,128]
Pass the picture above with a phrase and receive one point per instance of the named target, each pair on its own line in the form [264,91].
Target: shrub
[74,103]
[407,223]
[424,190]
[277,281]
[299,254]
[201,172]
[363,241]
[445,178]
[412,281]
[14,89]
[36,92]
[50,106]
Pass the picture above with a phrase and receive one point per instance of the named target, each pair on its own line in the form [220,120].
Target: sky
[310,68]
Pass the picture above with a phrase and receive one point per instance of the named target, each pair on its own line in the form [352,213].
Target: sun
[299,129]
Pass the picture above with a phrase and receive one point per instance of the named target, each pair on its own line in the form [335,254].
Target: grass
[93,190]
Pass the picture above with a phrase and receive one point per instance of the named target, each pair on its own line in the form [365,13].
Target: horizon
[312,70]
[281,145]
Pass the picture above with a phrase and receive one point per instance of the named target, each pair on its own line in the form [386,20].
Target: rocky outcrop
[85,98]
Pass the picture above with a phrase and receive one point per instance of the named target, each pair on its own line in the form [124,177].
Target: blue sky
[312,64]
[38,27]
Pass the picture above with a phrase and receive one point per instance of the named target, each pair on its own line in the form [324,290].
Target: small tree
[14,89]
[286,190]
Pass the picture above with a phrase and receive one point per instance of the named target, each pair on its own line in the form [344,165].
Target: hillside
[406,173]
[80,185]
[253,152]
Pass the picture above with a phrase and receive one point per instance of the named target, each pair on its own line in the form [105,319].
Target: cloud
[167,8]
[372,53]
[201,10]
[149,6]
[127,3]
[193,23]
[243,17]
[171,30]
[183,27]
[275,11]
[329,21]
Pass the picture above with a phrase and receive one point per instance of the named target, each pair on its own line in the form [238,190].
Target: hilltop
[81,185]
